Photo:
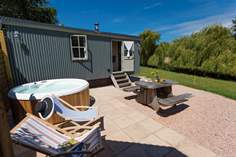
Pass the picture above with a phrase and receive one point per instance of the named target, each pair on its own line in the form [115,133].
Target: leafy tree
[213,49]
[234,27]
[36,10]
[158,58]
[149,40]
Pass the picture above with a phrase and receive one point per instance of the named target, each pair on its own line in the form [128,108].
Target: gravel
[207,119]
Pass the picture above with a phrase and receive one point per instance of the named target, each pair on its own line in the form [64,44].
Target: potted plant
[155,76]
[68,144]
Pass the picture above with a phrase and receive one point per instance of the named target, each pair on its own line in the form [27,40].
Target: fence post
[3,46]
[6,149]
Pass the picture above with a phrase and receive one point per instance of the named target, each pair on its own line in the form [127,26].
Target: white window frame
[85,48]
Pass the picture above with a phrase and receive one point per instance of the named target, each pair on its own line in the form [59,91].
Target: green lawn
[221,87]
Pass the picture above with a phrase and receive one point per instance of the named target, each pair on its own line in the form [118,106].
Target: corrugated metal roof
[38,25]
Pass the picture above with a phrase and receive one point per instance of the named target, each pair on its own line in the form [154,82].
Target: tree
[36,10]
[159,56]
[149,40]
[234,27]
[211,50]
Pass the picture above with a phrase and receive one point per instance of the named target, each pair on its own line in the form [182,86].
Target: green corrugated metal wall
[37,55]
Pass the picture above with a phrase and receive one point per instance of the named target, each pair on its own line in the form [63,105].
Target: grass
[221,87]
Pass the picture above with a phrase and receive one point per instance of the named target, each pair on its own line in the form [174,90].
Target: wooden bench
[131,89]
[175,99]
[171,101]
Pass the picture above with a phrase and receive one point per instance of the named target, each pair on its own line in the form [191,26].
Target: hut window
[79,47]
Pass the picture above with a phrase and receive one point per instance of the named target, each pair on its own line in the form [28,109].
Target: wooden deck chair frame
[70,133]
[98,120]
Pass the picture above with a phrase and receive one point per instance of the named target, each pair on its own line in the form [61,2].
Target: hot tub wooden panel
[21,107]
[78,99]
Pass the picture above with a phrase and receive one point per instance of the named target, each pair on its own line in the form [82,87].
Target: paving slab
[110,126]
[153,146]
[170,136]
[137,132]
[134,151]
[106,152]
[118,141]
[194,150]
[136,116]
[151,125]
[175,153]
[123,122]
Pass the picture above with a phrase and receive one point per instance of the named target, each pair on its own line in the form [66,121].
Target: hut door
[127,56]
[116,55]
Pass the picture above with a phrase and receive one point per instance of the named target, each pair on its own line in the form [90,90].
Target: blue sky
[172,18]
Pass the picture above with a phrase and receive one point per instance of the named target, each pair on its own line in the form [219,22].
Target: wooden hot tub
[25,97]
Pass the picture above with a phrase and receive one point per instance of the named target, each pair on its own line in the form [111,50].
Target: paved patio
[131,130]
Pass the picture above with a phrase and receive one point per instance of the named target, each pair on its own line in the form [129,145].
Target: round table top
[154,85]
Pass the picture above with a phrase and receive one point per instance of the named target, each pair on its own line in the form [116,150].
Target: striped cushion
[91,139]
[34,133]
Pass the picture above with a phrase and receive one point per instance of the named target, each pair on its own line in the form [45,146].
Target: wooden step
[122,80]
[126,84]
[117,72]
[118,76]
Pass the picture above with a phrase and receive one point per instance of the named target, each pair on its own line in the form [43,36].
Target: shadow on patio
[172,110]
[129,149]
[119,149]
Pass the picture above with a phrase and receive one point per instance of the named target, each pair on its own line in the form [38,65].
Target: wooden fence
[5,141]
[3,77]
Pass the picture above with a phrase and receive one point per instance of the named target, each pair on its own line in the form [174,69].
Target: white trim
[80,85]
[85,47]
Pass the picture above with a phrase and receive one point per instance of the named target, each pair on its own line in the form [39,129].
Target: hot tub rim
[28,97]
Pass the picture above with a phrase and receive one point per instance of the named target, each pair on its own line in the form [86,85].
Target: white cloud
[151,6]
[207,13]
[189,27]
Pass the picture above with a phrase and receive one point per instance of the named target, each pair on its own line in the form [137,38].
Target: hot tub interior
[25,97]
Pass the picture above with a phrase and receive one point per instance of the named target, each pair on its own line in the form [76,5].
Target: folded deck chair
[51,104]
[39,135]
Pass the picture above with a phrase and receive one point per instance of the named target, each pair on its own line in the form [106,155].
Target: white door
[127,56]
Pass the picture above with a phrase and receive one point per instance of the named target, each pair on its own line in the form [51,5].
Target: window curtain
[128,45]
